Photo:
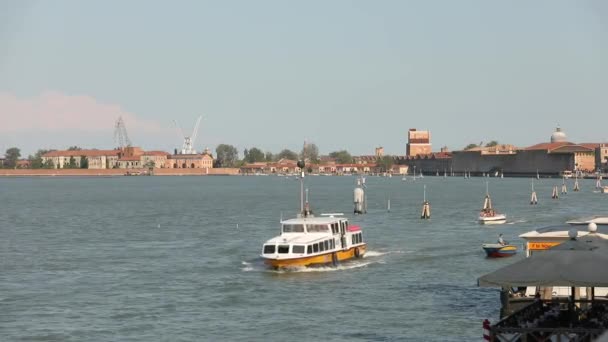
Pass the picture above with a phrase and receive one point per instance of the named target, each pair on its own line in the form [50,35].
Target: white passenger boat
[308,240]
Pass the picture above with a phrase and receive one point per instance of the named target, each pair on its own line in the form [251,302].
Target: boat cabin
[308,236]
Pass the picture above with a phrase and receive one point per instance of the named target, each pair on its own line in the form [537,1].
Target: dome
[558,136]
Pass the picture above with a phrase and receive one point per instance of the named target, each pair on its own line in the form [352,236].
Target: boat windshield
[317,228]
[293,228]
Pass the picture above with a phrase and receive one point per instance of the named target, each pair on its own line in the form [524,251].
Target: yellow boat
[310,241]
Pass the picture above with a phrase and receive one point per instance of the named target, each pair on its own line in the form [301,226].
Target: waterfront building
[379,152]
[418,143]
[254,168]
[156,158]
[129,163]
[601,157]
[97,159]
[549,158]
[190,161]
[558,136]
[430,163]
[126,158]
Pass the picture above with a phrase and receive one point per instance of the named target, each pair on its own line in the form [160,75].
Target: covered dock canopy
[575,263]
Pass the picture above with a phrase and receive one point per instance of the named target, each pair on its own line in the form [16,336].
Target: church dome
[558,136]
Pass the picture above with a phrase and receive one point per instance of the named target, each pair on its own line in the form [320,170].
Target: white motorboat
[488,214]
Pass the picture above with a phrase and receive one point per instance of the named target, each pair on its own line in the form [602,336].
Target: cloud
[55,112]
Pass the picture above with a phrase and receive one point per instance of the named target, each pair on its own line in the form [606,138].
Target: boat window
[317,228]
[360,237]
[326,244]
[334,228]
[297,249]
[268,249]
[293,228]
[283,249]
[353,239]
[316,247]
[309,249]
[321,247]
[332,244]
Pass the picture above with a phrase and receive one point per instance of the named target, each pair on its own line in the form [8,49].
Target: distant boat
[496,250]
[488,214]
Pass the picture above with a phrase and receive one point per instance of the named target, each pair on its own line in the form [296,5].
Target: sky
[348,75]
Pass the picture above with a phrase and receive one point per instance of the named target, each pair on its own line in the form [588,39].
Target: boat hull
[317,260]
[498,219]
[499,251]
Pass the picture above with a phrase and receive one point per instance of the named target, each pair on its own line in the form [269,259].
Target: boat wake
[516,222]
[369,258]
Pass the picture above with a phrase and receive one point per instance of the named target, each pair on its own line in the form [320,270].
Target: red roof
[591,145]
[557,145]
[156,153]
[78,153]
[129,159]
[547,146]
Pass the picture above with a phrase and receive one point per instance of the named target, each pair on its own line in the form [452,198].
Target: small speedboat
[491,217]
[496,250]
[488,214]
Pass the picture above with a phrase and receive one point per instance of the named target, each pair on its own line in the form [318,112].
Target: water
[176,258]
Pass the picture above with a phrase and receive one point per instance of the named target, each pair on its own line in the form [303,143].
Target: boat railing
[544,320]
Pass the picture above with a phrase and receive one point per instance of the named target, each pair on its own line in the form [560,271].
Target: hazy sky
[343,74]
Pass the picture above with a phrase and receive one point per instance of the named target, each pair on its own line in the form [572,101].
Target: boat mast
[301,165]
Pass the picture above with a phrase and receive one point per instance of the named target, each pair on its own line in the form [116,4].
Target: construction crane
[188,146]
[120,134]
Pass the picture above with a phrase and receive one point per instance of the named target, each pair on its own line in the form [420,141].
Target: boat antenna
[487,192]
[301,165]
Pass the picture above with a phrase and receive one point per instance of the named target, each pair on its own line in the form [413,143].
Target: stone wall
[428,166]
[524,162]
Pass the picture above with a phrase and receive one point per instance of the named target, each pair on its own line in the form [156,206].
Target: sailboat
[488,214]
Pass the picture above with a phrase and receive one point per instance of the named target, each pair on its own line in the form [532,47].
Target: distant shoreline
[114,172]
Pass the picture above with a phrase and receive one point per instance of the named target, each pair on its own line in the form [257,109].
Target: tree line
[228,156]
[12,155]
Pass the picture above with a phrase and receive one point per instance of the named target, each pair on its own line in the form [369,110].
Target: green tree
[72,164]
[310,152]
[48,164]
[287,154]
[470,146]
[226,155]
[255,155]
[492,143]
[386,163]
[342,157]
[150,164]
[74,148]
[12,155]
[36,160]
[245,154]
[269,157]
[84,162]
